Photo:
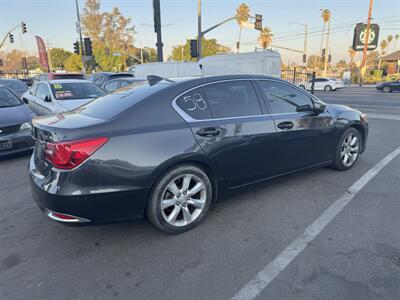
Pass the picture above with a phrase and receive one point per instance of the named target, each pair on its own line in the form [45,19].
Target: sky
[55,20]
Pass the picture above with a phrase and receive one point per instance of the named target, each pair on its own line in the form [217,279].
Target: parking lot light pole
[199,33]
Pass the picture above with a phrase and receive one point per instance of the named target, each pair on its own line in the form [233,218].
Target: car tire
[387,89]
[349,145]
[302,86]
[327,88]
[172,208]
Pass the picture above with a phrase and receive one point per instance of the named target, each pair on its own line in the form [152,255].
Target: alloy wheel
[350,149]
[183,200]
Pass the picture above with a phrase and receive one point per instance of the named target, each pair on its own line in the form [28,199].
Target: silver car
[55,96]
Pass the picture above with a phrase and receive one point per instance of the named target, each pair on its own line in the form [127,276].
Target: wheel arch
[360,129]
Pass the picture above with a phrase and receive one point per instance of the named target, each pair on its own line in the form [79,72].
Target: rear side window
[193,103]
[232,99]
[33,89]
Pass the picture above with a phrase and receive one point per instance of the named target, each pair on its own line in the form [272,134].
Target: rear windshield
[76,90]
[14,84]
[109,106]
[8,99]
[67,76]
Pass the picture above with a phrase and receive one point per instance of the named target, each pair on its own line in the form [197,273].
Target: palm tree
[389,39]
[265,38]
[352,53]
[326,16]
[242,16]
[384,45]
[396,37]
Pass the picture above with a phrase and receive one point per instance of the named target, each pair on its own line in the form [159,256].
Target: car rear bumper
[21,142]
[96,207]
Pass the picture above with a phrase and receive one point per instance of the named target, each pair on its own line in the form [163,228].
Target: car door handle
[286,125]
[209,131]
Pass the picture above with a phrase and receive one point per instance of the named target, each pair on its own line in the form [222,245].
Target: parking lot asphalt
[356,256]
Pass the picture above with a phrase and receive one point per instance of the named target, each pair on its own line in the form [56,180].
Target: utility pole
[199,33]
[364,58]
[80,38]
[157,29]
[327,50]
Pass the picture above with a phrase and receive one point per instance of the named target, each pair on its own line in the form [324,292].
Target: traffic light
[23,27]
[258,22]
[304,58]
[11,36]
[88,46]
[24,64]
[193,48]
[76,48]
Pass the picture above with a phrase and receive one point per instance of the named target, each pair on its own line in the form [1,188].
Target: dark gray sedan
[15,124]
[17,86]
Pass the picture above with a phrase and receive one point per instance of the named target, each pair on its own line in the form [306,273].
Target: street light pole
[327,50]
[364,59]
[199,33]
[80,37]
[157,29]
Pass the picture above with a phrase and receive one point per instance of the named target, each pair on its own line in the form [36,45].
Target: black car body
[15,124]
[117,83]
[100,78]
[388,87]
[233,128]
[16,85]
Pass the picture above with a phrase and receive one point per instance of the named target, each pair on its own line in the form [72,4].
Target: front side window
[194,104]
[42,91]
[113,85]
[232,99]
[33,89]
[284,98]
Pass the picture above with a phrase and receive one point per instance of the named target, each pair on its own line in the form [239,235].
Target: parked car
[27,81]
[15,124]
[16,85]
[56,76]
[388,87]
[115,84]
[321,84]
[56,96]
[166,149]
[168,69]
[339,82]
[101,78]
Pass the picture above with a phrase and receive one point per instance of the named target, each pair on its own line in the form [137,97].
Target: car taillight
[68,155]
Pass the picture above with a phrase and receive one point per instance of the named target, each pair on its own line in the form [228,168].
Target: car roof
[67,81]
[9,79]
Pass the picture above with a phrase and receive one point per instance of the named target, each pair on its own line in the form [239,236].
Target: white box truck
[266,62]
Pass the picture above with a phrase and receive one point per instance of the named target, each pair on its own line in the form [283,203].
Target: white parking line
[279,263]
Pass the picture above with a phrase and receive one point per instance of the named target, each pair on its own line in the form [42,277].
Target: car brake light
[68,155]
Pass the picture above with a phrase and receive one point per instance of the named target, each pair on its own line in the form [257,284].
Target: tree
[58,56]
[314,62]
[73,63]
[373,59]
[341,64]
[384,45]
[210,47]
[389,39]
[242,16]
[326,16]
[265,38]
[92,22]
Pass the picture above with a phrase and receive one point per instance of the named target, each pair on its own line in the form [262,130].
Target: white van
[266,62]
[169,69]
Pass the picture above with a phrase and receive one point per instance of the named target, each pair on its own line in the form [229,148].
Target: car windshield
[8,99]
[76,90]
[14,84]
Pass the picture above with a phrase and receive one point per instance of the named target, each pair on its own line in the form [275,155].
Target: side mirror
[304,108]
[319,107]
[47,98]
[26,101]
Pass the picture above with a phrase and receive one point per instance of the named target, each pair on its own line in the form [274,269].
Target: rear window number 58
[196,102]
